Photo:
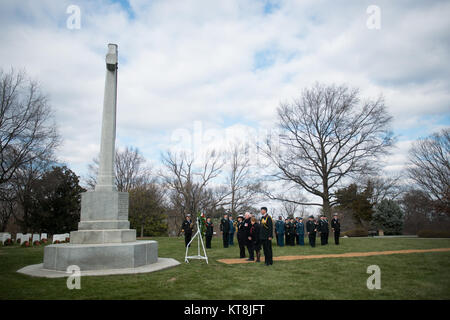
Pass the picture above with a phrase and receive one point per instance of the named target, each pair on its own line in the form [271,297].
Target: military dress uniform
[225,228]
[301,233]
[242,238]
[311,229]
[231,233]
[209,233]
[323,228]
[336,226]
[279,231]
[266,232]
[187,227]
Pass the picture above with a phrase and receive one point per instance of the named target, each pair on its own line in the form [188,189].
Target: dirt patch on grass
[339,255]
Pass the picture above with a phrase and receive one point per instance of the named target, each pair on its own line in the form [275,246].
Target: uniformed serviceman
[286,231]
[225,228]
[187,227]
[292,232]
[265,236]
[231,232]
[323,229]
[311,229]
[279,231]
[241,235]
[295,222]
[209,232]
[336,227]
[301,232]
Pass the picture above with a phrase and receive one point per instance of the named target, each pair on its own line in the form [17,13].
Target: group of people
[292,231]
[253,234]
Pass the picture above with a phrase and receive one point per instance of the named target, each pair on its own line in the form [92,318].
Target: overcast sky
[219,69]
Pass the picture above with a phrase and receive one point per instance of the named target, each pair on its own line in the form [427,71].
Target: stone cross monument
[104,239]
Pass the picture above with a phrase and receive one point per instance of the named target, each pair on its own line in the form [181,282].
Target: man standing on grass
[225,228]
[336,227]
[300,232]
[209,232]
[241,235]
[279,231]
[323,229]
[186,227]
[266,233]
[311,230]
[231,232]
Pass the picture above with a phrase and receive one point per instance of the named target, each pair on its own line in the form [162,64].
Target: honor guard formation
[254,235]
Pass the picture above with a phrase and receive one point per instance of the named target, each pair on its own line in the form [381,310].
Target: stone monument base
[100,256]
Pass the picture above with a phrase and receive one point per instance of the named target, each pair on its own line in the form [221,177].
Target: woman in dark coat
[255,242]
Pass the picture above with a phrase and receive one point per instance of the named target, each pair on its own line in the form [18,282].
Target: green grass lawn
[403,276]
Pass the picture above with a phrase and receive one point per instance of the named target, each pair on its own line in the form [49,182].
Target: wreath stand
[199,240]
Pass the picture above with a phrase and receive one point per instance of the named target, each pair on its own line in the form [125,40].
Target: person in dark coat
[265,235]
[209,232]
[241,235]
[231,232]
[286,231]
[248,242]
[186,228]
[323,229]
[225,228]
[336,227]
[311,229]
[279,231]
[301,232]
[291,232]
[254,238]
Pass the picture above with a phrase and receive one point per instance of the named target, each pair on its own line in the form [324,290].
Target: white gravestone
[19,236]
[4,236]
[35,238]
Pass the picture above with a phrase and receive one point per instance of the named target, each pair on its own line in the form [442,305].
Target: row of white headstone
[4,236]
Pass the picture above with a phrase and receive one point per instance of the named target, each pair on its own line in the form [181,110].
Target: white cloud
[188,61]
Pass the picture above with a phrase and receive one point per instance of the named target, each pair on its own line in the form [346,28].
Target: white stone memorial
[4,236]
[36,237]
[104,242]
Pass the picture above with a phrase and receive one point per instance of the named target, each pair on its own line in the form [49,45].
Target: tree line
[326,153]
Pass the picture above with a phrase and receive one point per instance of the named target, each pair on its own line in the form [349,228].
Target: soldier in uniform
[336,227]
[301,232]
[247,225]
[241,235]
[323,229]
[286,231]
[279,231]
[292,232]
[225,228]
[311,229]
[265,235]
[209,232]
[187,227]
[231,232]
[295,223]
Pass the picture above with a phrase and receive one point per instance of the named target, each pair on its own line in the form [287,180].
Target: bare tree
[430,167]
[383,188]
[27,128]
[243,187]
[130,170]
[190,184]
[326,135]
